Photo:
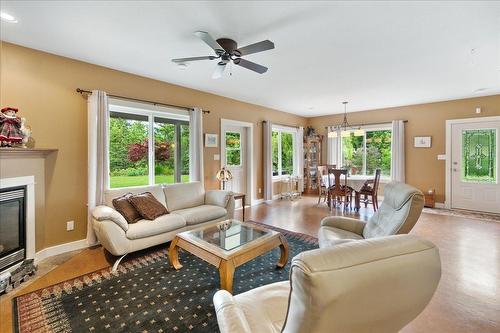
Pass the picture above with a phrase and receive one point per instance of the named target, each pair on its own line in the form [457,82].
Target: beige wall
[43,87]
[423,170]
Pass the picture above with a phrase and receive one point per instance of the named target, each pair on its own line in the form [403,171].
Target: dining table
[354,182]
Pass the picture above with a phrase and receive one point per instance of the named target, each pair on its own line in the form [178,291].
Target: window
[284,151]
[366,150]
[478,155]
[146,146]
[233,149]
[128,150]
[171,151]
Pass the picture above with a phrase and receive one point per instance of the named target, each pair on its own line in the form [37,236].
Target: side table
[241,196]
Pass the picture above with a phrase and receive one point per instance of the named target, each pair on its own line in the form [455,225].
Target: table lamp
[223,175]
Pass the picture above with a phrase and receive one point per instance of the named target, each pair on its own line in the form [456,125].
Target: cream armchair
[375,285]
[397,214]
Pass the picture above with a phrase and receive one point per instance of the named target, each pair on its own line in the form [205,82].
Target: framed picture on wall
[211,140]
[422,142]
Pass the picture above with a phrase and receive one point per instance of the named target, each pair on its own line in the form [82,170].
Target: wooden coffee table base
[227,265]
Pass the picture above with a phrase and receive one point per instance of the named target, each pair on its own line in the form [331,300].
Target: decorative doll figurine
[10,127]
[26,130]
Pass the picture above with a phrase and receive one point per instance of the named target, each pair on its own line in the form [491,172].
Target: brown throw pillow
[147,205]
[124,207]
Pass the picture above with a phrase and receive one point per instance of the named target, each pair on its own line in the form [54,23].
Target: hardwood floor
[467,299]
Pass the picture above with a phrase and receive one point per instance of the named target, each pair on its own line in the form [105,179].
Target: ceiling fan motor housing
[229,46]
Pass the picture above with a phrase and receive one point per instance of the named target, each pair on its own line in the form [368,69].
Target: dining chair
[369,192]
[323,186]
[338,190]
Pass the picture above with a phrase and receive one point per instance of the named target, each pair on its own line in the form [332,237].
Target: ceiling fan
[227,50]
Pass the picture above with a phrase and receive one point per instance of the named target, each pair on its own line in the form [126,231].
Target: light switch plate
[70,225]
[216,157]
[442,157]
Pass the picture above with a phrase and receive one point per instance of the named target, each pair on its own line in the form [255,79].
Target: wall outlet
[70,225]
[441,157]
[260,190]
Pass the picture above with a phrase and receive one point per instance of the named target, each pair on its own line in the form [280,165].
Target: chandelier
[345,128]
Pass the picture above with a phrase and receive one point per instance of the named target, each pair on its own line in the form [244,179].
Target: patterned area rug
[146,295]
[464,213]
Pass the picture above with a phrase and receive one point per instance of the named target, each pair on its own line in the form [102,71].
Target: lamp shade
[224,175]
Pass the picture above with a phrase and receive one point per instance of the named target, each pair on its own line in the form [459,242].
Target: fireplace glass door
[12,220]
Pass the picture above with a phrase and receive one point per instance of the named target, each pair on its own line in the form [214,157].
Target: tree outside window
[129,153]
[283,152]
[286,153]
[128,150]
[365,153]
[233,149]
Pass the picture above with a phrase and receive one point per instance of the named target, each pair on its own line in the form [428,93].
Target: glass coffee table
[228,249]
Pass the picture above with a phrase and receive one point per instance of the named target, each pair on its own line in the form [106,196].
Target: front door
[234,157]
[474,166]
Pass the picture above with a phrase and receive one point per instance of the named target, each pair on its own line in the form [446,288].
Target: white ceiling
[372,54]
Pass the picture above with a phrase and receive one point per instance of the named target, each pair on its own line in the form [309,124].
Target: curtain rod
[284,125]
[366,124]
[83,91]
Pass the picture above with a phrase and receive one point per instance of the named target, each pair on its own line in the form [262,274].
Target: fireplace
[17,221]
[12,226]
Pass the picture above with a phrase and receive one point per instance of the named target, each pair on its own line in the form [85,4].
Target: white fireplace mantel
[6,152]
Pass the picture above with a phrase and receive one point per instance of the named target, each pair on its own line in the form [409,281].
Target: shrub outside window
[365,151]
[147,148]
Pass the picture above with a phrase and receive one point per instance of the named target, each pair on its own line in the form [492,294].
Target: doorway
[472,168]
[237,156]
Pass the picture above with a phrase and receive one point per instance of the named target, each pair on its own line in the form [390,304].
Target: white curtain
[98,166]
[196,145]
[398,151]
[299,142]
[268,160]
[334,147]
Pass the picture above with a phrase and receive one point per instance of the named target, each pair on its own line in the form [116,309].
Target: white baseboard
[257,202]
[439,205]
[59,249]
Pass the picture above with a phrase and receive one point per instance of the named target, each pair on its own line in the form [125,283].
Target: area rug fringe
[490,217]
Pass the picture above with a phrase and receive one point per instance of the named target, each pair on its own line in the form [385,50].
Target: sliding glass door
[171,153]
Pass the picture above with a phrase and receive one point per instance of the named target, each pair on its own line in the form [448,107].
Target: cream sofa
[397,214]
[189,206]
[373,285]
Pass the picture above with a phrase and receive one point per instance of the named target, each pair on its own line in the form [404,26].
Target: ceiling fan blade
[180,60]
[205,36]
[250,65]
[257,47]
[219,70]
